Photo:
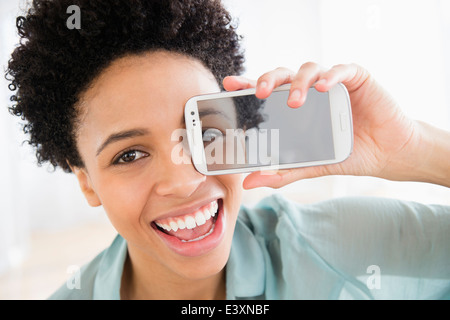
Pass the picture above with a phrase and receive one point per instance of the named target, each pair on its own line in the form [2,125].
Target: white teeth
[207,213]
[160,225]
[174,225]
[181,224]
[189,221]
[200,218]
[164,226]
[213,208]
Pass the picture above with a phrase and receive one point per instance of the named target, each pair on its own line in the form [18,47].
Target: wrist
[426,157]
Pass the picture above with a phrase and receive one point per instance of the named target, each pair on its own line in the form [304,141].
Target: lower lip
[199,247]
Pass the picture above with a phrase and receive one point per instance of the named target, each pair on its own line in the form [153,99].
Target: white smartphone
[235,132]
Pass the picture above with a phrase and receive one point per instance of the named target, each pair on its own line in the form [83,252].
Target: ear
[86,186]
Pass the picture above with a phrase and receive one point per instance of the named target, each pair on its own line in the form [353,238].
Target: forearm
[426,158]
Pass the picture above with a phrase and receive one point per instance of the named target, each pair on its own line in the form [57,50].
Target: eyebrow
[118,136]
[208,111]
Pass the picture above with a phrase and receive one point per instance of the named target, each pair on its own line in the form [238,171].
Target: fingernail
[294,98]
[262,85]
[295,95]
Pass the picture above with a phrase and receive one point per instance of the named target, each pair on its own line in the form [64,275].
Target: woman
[102,102]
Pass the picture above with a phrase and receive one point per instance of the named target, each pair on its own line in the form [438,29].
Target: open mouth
[193,233]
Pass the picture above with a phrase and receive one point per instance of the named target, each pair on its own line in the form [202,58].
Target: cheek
[233,184]
[124,202]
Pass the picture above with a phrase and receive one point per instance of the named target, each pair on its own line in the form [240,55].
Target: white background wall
[404,44]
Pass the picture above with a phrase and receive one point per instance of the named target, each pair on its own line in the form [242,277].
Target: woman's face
[127,119]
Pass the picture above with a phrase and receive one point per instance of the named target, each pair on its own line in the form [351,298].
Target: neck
[147,281]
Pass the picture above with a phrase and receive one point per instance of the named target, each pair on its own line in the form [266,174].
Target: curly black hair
[53,64]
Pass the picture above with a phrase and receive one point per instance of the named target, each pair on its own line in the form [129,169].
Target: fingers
[233,83]
[301,81]
[306,76]
[310,74]
[351,75]
[265,84]
[272,79]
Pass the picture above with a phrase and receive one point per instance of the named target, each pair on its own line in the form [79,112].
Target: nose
[177,180]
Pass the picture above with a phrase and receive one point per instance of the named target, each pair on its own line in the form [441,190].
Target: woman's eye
[210,134]
[130,156]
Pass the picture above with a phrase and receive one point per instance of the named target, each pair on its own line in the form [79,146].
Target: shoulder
[370,226]
[98,279]
[81,283]
[325,248]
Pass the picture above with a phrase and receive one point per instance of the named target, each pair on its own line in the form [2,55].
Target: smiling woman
[128,166]
[127,75]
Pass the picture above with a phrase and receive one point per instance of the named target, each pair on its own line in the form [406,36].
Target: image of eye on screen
[246,132]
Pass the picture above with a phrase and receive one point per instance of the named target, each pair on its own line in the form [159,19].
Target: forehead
[153,72]
[132,89]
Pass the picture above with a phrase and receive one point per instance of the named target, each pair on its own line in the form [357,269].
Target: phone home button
[343,121]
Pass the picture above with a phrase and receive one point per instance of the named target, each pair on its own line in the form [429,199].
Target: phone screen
[244,131]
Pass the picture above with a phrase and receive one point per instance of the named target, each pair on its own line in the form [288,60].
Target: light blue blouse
[348,248]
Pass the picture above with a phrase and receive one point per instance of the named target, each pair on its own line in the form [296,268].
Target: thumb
[279,178]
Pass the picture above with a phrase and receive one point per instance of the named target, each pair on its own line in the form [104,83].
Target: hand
[383,135]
